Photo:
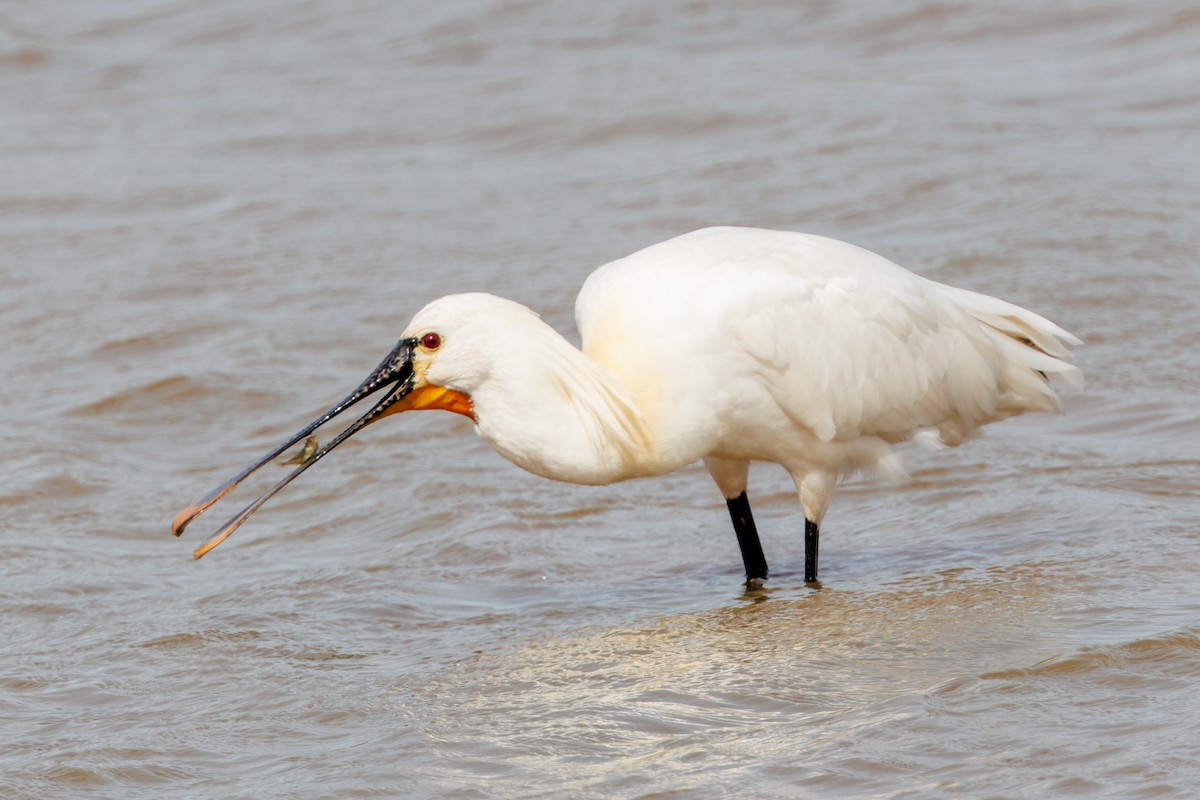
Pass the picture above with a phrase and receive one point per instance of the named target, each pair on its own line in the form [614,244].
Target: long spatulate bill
[395,371]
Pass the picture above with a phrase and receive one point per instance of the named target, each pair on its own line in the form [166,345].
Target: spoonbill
[727,345]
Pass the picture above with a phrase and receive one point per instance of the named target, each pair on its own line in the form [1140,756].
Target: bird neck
[557,413]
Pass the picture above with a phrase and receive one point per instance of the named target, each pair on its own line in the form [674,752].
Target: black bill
[395,373]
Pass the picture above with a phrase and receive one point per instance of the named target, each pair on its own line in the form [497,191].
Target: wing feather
[860,347]
[845,343]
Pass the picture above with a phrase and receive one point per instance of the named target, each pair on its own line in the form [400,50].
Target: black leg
[811,536]
[747,535]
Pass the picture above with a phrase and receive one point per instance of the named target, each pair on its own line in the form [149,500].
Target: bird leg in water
[812,534]
[747,536]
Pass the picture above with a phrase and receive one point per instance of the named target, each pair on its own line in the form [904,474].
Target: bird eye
[431,341]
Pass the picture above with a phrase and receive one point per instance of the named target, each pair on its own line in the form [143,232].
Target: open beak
[395,374]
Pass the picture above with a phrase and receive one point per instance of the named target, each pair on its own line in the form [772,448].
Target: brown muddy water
[215,218]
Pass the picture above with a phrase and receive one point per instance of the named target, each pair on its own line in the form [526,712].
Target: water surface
[216,218]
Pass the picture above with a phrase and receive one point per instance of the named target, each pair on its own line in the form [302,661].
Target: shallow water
[216,219]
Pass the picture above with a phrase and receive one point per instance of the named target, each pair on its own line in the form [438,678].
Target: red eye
[431,341]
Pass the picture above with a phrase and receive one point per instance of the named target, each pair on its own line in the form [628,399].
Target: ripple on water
[751,678]
[215,218]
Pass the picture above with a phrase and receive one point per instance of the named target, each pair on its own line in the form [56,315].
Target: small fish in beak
[306,453]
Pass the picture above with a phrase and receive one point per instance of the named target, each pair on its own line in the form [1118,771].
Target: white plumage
[734,345]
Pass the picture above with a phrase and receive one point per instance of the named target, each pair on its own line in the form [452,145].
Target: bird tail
[1036,359]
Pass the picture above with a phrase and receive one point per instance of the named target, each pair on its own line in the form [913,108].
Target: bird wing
[855,355]
[845,342]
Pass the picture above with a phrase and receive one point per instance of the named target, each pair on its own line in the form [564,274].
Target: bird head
[454,339]
[433,366]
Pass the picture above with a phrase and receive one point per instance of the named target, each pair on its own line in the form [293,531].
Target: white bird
[727,345]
